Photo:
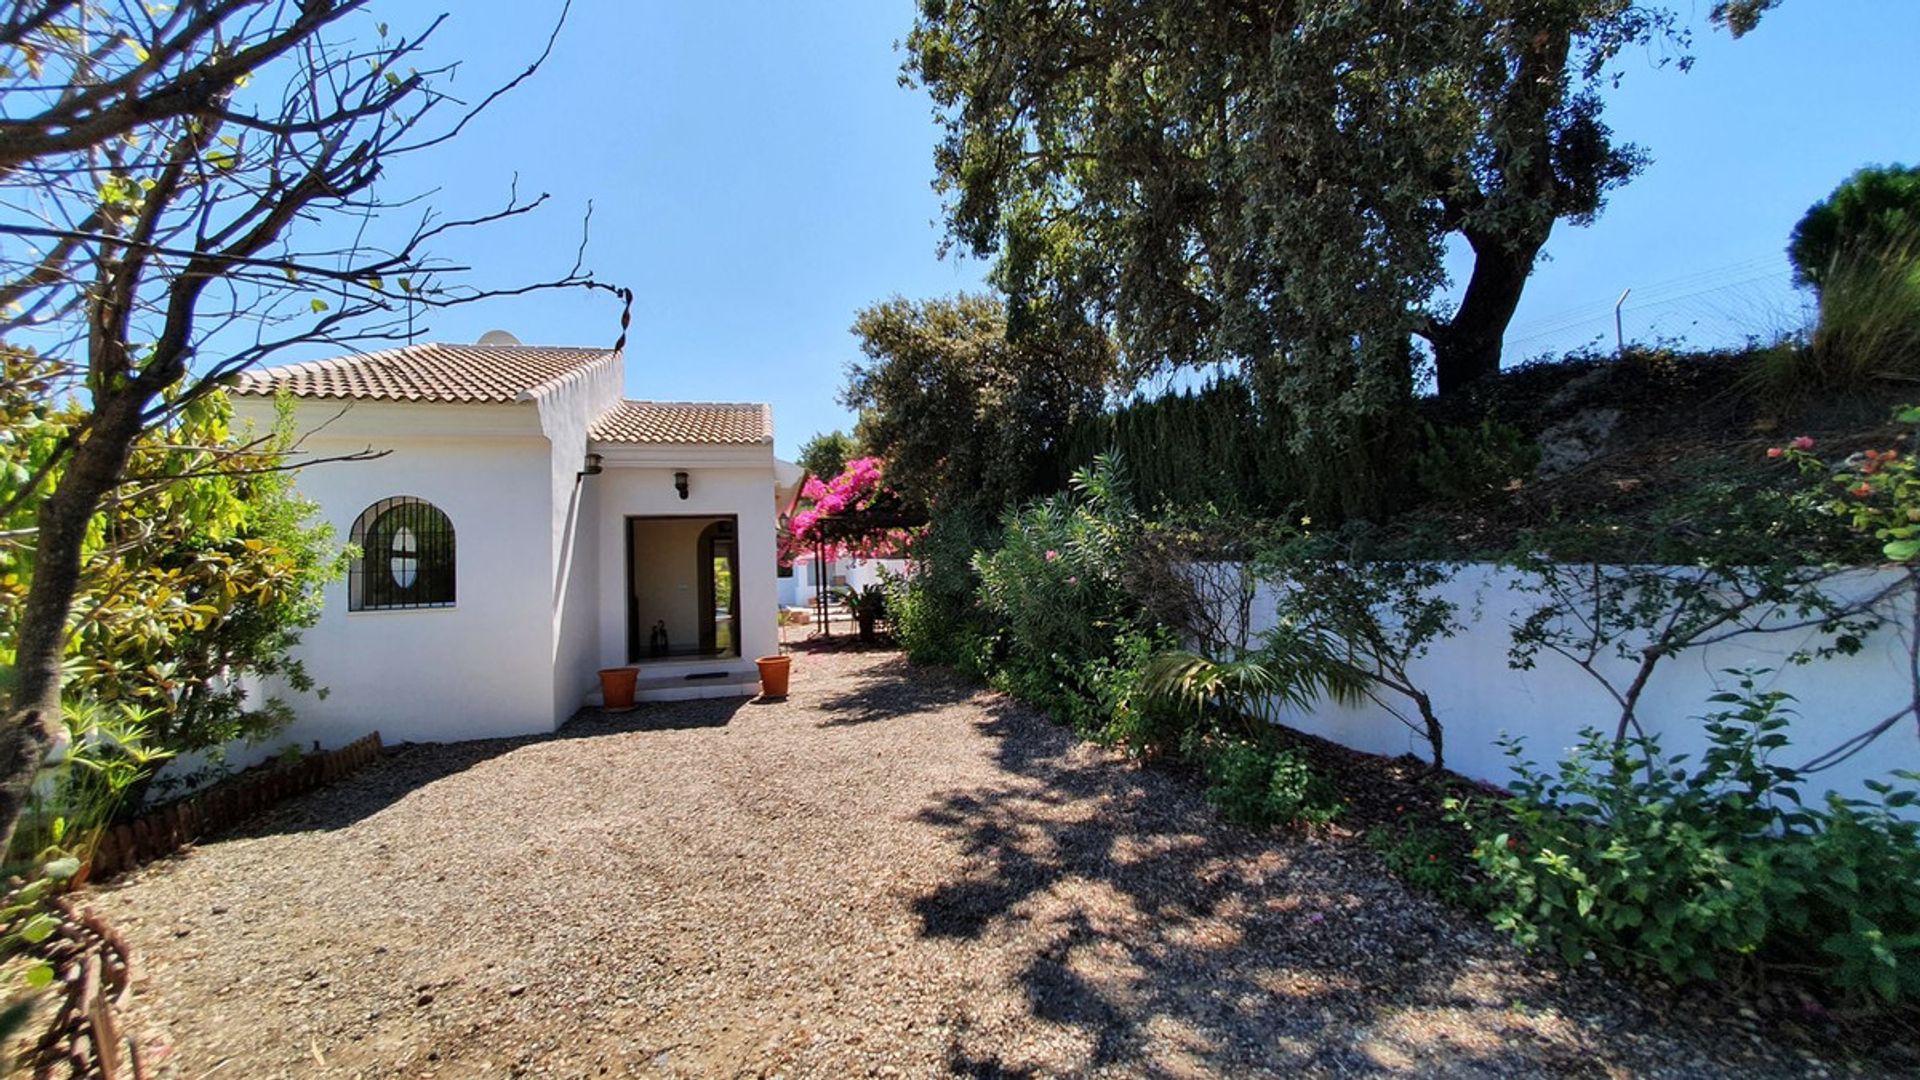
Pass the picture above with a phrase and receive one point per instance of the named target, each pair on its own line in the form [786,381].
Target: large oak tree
[1269,183]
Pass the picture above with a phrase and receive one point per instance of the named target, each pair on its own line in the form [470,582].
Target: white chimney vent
[498,337]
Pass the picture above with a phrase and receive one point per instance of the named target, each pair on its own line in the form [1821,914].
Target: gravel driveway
[893,872]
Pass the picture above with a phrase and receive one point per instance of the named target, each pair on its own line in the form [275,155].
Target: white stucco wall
[481,668]
[638,482]
[567,409]
[1478,697]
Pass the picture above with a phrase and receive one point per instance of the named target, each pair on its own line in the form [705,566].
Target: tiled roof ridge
[634,420]
[432,371]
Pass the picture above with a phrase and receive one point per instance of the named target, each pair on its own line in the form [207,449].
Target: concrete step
[721,683]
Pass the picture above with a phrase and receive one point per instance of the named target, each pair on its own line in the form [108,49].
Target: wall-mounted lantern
[593,465]
[680,483]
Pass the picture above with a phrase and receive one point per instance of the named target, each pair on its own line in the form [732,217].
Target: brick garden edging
[167,830]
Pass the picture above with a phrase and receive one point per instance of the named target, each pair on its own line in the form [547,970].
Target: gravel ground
[890,873]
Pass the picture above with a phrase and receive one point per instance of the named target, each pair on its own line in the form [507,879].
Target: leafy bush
[934,613]
[1867,326]
[109,758]
[200,572]
[1867,211]
[1257,785]
[1877,492]
[1428,857]
[1464,465]
[1625,855]
[1053,587]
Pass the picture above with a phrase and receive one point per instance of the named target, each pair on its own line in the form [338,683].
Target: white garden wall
[1479,697]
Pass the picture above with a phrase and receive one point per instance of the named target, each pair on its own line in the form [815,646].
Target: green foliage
[1466,465]
[1617,618]
[1878,491]
[1219,448]
[1258,785]
[1624,854]
[1053,587]
[108,760]
[1429,858]
[1867,329]
[1359,616]
[934,614]
[826,455]
[201,568]
[1195,448]
[867,605]
[1272,188]
[29,916]
[1872,211]
[966,413]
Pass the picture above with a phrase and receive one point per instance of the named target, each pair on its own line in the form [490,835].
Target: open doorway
[683,596]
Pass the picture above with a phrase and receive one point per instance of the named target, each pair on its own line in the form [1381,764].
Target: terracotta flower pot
[616,686]
[774,671]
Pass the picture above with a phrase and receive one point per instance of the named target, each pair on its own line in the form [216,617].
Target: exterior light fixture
[680,483]
[593,466]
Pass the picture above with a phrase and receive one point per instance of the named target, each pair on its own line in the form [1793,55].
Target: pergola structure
[851,527]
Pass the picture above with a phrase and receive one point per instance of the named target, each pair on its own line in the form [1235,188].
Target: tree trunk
[1467,347]
[33,716]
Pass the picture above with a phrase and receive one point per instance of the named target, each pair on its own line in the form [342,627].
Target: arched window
[406,557]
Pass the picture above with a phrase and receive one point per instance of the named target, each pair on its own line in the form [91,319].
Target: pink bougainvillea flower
[1804,442]
[1774,451]
[1052,555]
[1862,490]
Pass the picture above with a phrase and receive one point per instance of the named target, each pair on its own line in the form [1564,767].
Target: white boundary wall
[1479,697]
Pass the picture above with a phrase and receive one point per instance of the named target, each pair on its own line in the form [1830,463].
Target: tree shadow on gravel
[1173,943]
[890,690]
[408,767]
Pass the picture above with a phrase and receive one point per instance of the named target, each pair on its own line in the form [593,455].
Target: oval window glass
[404,562]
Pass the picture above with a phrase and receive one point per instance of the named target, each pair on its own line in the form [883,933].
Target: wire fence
[1724,307]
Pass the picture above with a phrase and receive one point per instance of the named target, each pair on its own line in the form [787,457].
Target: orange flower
[1861,490]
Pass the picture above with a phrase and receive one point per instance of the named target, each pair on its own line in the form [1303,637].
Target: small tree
[200,570]
[826,455]
[190,189]
[967,418]
[1872,214]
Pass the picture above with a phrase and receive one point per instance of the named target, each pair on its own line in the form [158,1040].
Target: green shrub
[933,611]
[1867,330]
[1053,590]
[1464,465]
[1625,855]
[205,571]
[1428,858]
[108,761]
[1256,785]
[1867,211]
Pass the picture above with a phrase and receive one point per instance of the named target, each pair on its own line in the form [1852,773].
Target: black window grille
[406,557]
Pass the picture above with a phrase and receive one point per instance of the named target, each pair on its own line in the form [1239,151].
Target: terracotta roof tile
[443,373]
[685,422]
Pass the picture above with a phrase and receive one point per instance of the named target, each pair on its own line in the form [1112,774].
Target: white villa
[527,527]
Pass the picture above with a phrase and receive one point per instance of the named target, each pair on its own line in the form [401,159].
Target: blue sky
[758,175]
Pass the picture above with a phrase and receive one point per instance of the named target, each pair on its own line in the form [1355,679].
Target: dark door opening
[683,596]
